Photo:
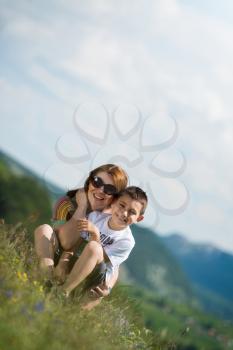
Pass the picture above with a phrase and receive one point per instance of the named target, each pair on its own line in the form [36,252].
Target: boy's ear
[140,218]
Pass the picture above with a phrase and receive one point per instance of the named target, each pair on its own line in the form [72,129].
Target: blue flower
[39,306]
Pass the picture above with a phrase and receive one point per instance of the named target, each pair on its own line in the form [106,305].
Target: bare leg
[90,257]
[45,244]
[62,268]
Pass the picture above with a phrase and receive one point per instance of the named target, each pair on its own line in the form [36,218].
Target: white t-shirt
[117,244]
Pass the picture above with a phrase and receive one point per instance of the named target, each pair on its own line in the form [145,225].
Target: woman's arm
[69,233]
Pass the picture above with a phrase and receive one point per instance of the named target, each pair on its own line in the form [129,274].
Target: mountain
[23,195]
[11,165]
[152,266]
[209,269]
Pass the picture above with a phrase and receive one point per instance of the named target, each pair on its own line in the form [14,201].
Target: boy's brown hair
[135,193]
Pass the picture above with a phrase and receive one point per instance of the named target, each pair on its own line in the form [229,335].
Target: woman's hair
[119,176]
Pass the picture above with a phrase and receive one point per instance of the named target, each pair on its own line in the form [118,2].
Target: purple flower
[39,306]
[9,293]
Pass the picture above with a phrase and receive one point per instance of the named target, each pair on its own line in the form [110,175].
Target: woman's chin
[98,205]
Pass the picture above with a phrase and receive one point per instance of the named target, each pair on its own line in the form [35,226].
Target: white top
[117,244]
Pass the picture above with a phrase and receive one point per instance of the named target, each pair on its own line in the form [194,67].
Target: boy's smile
[125,211]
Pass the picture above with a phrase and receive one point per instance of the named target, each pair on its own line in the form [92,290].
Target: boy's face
[125,211]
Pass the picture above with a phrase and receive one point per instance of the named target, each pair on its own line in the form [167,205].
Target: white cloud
[165,57]
[210,213]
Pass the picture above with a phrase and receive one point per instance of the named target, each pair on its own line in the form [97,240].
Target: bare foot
[62,268]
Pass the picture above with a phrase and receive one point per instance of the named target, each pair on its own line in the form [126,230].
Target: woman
[98,193]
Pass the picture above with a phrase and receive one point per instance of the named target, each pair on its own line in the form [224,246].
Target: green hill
[152,266]
[209,270]
[16,168]
[22,197]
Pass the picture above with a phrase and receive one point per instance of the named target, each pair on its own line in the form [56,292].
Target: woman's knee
[43,231]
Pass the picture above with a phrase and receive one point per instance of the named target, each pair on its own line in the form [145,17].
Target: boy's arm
[87,225]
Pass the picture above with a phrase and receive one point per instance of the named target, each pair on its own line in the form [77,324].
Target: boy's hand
[100,291]
[86,225]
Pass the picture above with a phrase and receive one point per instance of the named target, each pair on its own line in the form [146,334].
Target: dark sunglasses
[97,182]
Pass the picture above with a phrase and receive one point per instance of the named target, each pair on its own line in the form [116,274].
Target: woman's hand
[81,198]
[82,204]
[86,225]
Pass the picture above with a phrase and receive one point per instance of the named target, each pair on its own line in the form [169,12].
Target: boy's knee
[95,248]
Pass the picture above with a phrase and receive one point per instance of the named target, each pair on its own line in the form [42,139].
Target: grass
[188,326]
[32,319]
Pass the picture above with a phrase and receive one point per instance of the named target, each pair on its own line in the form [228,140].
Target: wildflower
[9,293]
[39,306]
[185,331]
[15,261]
[22,276]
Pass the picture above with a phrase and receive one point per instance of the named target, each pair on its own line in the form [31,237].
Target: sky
[145,84]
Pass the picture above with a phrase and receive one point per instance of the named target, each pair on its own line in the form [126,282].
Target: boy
[110,240]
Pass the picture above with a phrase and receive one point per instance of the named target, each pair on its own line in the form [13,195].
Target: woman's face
[97,198]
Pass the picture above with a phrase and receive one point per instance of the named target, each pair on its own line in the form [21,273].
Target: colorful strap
[63,209]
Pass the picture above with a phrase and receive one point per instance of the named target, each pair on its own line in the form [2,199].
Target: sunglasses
[97,182]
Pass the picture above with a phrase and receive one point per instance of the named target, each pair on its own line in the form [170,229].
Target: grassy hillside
[31,319]
[189,327]
[131,318]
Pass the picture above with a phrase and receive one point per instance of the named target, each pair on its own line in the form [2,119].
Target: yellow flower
[22,276]
[14,300]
